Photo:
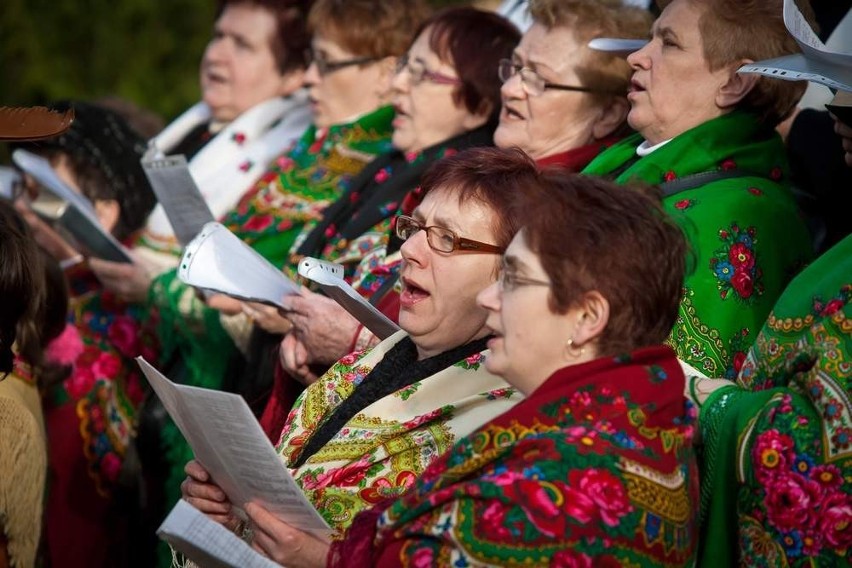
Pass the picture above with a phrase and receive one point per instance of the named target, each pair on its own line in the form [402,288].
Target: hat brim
[33,123]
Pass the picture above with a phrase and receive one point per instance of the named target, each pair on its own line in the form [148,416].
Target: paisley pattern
[594,468]
[385,447]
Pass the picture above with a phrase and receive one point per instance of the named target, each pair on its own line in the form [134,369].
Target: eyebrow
[666,32]
[447,224]
[531,63]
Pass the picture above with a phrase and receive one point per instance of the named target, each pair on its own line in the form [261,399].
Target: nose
[513,89]
[489,298]
[415,250]
[216,51]
[312,76]
[639,59]
[400,80]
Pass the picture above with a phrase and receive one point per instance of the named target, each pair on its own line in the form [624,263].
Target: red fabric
[578,158]
[285,391]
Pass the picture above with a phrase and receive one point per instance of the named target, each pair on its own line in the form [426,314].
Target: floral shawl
[778,446]
[386,446]
[594,468]
[746,234]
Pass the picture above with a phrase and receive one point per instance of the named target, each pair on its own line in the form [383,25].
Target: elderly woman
[595,466]
[447,98]
[367,428]
[253,107]
[562,103]
[97,156]
[707,134]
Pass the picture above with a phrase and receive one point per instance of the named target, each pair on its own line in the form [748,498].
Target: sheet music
[178,194]
[219,261]
[227,439]
[816,63]
[206,542]
[341,292]
[80,218]
[8,178]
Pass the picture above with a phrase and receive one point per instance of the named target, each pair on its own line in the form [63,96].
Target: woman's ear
[611,118]
[108,212]
[594,317]
[736,87]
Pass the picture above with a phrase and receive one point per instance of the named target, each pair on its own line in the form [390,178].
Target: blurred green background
[146,51]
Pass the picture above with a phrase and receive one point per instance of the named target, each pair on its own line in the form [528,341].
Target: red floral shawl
[594,468]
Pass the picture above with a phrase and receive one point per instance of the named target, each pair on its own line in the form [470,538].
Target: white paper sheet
[8,178]
[816,63]
[82,222]
[331,282]
[206,542]
[179,195]
[227,439]
[217,260]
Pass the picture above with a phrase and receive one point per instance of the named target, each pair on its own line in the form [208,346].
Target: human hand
[293,357]
[45,235]
[129,281]
[225,304]
[268,318]
[284,544]
[199,490]
[324,328]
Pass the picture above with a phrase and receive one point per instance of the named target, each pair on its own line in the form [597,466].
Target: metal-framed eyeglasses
[417,73]
[324,66]
[442,239]
[533,83]
[509,280]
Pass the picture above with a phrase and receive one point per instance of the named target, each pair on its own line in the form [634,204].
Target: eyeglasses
[417,73]
[509,280]
[533,83]
[324,66]
[441,239]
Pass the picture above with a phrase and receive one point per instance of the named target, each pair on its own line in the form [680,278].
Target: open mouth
[215,77]
[511,114]
[636,87]
[412,293]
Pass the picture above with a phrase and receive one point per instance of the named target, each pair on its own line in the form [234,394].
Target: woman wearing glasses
[595,466]
[562,101]
[368,427]
[446,98]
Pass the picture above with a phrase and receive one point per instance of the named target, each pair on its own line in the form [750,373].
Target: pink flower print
[239,138]
[474,359]
[771,454]
[741,256]
[755,191]
[258,223]
[107,366]
[606,491]
[836,521]
[246,166]
[828,476]
[728,165]
[669,176]
[423,558]
[124,334]
[65,348]
[110,466]
[382,175]
[493,520]
[832,307]
[567,558]
[791,501]
[80,382]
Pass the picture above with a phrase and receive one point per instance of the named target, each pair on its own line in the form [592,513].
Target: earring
[571,352]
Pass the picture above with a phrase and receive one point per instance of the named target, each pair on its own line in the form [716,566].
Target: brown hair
[591,234]
[473,42]
[495,177]
[21,282]
[734,30]
[368,28]
[589,19]
[291,38]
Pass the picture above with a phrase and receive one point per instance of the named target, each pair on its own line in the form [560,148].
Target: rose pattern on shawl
[734,264]
[606,491]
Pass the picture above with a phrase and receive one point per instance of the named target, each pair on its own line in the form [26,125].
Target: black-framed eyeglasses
[533,83]
[442,239]
[324,66]
[417,73]
[509,280]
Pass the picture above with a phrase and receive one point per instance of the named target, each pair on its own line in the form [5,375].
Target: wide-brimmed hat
[33,123]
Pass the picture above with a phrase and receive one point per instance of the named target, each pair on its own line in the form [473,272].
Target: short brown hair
[589,19]
[495,177]
[369,28]
[473,42]
[733,30]
[291,38]
[591,234]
